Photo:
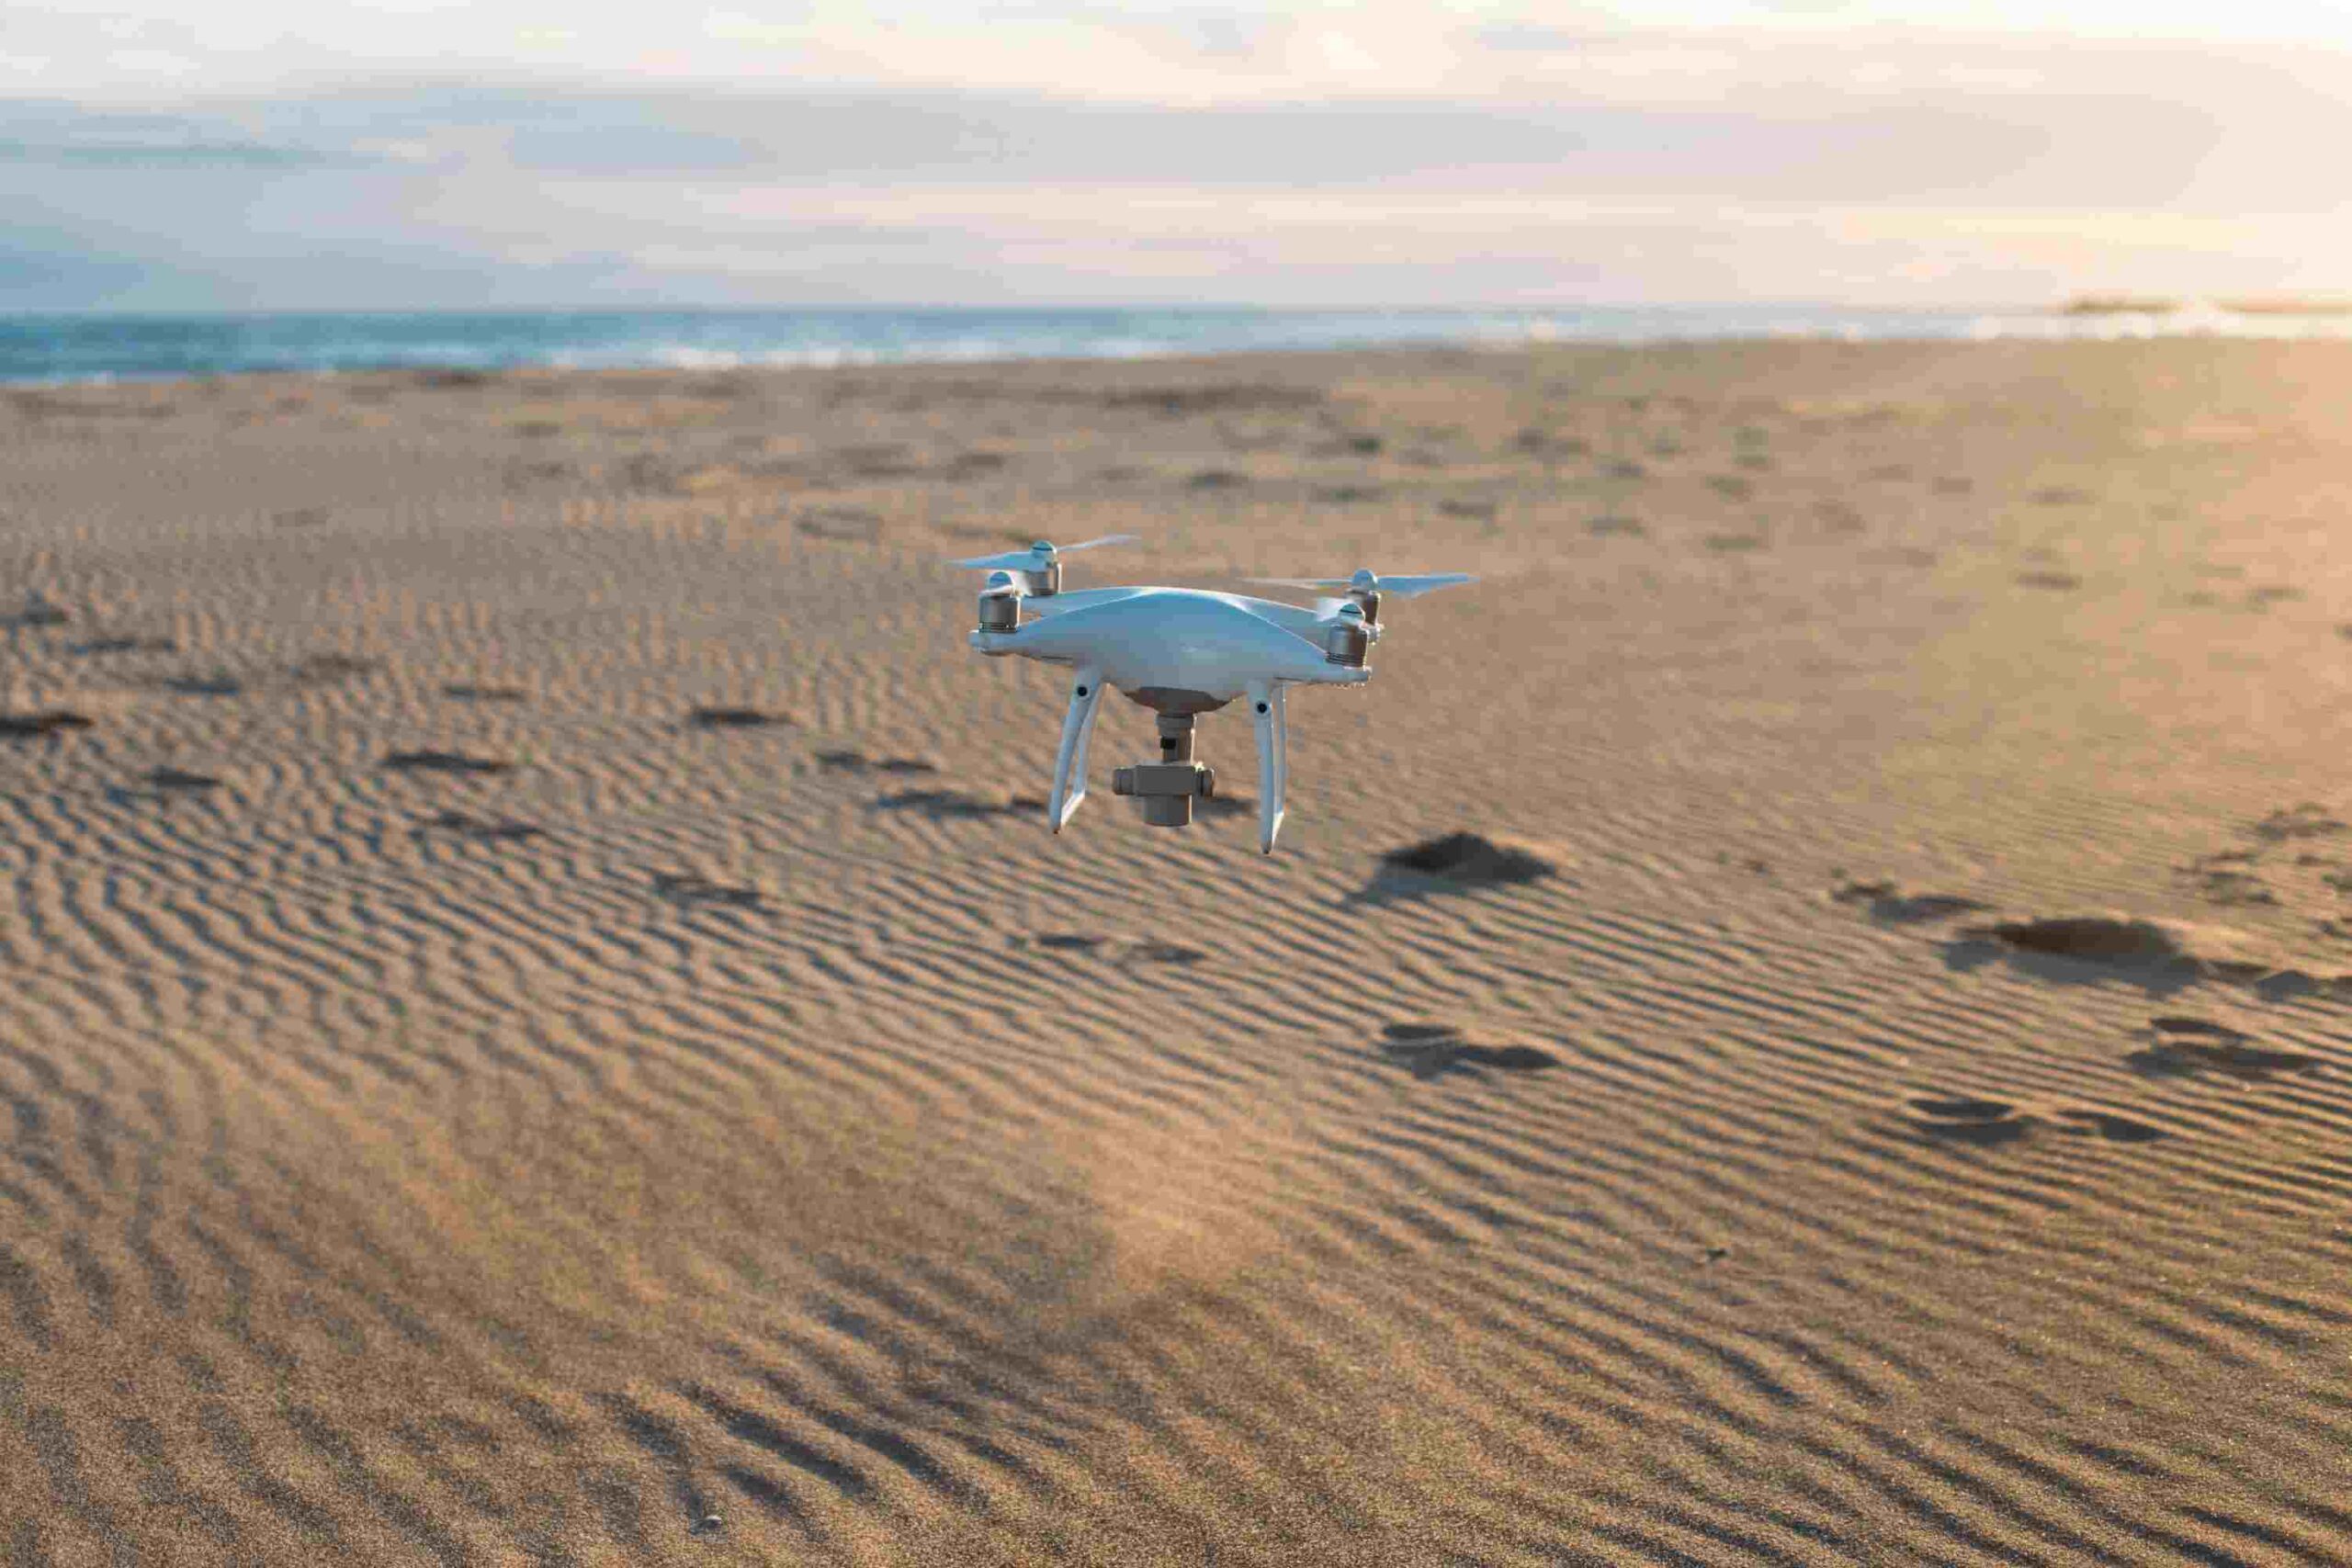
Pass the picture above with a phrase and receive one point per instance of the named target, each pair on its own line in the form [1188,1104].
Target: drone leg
[1069,763]
[1094,684]
[1282,738]
[1266,705]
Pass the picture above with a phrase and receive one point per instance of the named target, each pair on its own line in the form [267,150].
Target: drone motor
[1000,604]
[1348,640]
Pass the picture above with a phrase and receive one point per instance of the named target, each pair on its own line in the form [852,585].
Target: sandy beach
[540,1021]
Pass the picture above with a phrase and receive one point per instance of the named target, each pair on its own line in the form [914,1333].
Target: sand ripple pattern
[454,1108]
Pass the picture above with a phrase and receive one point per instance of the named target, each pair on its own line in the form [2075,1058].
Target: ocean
[69,348]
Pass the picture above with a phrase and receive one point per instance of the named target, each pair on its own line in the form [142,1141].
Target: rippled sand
[539,1019]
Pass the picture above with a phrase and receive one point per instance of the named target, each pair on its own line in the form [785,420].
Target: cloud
[167,154]
[1366,154]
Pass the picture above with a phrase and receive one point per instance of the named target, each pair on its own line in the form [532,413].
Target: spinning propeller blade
[1040,556]
[1410,587]
[1414,587]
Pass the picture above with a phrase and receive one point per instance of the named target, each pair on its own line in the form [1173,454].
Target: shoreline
[455,374]
[65,351]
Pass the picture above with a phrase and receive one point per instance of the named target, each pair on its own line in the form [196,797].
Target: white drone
[1180,652]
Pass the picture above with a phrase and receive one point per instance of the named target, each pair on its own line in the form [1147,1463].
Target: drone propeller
[1039,557]
[1411,587]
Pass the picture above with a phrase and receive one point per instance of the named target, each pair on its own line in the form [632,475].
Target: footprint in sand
[955,805]
[2218,879]
[685,887]
[217,684]
[322,668]
[98,645]
[2188,1047]
[36,725]
[455,763]
[1885,902]
[2159,956]
[736,718]
[174,781]
[1986,1123]
[1120,950]
[163,785]
[2089,940]
[1431,1050]
[2307,820]
[859,762]
[1458,862]
[466,691]
[503,830]
[1068,941]
[2078,1122]
[1967,1121]
[1159,952]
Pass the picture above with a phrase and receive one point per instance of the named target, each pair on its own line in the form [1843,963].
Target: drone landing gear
[1165,789]
[1078,732]
[1274,758]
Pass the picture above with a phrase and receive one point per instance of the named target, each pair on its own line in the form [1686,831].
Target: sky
[511,153]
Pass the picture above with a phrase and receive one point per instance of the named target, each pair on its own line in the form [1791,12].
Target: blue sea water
[65,348]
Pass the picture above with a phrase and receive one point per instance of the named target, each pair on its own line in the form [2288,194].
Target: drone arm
[1069,763]
[1266,707]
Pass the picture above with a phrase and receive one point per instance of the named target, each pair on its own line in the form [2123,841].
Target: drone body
[1182,652]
